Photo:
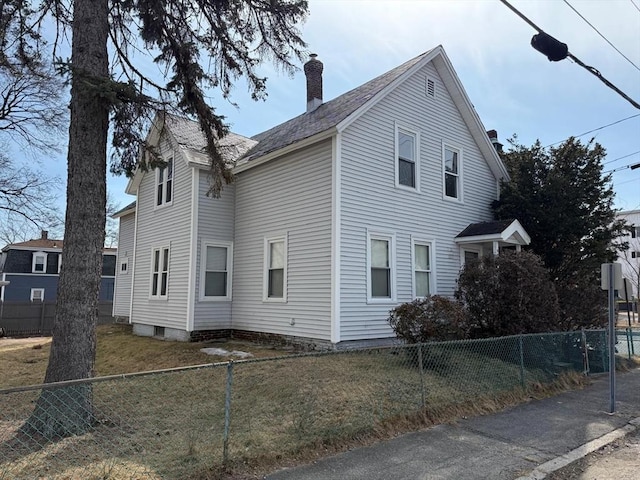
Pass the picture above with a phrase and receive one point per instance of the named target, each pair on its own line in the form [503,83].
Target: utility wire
[605,38]
[596,129]
[634,4]
[576,59]
[620,158]
[624,167]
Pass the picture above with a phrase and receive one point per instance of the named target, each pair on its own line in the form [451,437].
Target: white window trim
[391,238]
[203,270]
[164,185]
[265,274]
[460,198]
[158,296]
[469,248]
[124,262]
[33,262]
[33,291]
[431,243]
[416,135]
[59,262]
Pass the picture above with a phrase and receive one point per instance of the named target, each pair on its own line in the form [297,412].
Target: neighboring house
[334,218]
[630,259]
[33,267]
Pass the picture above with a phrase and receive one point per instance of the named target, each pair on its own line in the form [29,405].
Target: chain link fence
[194,422]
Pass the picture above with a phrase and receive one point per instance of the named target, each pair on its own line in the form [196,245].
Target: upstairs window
[164,183]
[159,272]
[407,168]
[635,232]
[452,167]
[39,262]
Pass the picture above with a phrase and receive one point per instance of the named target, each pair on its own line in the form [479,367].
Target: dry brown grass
[24,361]
[283,411]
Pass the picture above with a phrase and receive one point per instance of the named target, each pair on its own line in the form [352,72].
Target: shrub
[508,295]
[433,318]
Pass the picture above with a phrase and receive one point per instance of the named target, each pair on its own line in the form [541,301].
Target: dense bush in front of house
[507,295]
[433,318]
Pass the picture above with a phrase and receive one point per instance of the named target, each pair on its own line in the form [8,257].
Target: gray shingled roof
[326,116]
[485,228]
[131,206]
[189,135]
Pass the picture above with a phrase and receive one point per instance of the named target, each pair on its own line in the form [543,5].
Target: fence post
[629,341]
[40,330]
[227,414]
[421,367]
[585,352]
[521,346]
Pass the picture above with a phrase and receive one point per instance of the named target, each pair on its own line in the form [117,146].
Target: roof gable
[506,231]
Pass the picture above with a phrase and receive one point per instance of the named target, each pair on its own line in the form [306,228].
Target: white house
[630,259]
[335,217]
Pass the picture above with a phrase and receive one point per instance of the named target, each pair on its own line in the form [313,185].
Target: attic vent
[431,88]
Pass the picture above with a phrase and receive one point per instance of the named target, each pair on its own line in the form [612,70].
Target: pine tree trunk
[66,411]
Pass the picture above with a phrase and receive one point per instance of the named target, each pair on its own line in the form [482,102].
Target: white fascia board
[459,96]
[283,151]
[516,228]
[34,249]
[124,213]
[385,91]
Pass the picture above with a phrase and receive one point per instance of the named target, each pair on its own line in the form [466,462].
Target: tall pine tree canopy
[565,203]
[199,45]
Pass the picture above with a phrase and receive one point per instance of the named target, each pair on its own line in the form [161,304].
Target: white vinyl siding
[122,289]
[163,227]
[290,195]
[215,226]
[371,201]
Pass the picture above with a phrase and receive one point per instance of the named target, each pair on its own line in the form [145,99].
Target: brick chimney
[313,71]
[493,136]
[44,235]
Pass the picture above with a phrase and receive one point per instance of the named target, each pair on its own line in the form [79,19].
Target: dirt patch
[11,343]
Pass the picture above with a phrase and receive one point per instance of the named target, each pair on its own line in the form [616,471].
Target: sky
[514,88]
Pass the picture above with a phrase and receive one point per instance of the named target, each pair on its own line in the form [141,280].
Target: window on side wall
[216,268]
[37,294]
[164,184]
[380,268]
[407,155]
[159,272]
[275,274]
[422,269]
[452,163]
[39,262]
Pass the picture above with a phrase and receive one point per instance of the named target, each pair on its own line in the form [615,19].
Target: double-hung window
[39,262]
[452,163]
[164,184]
[380,268]
[216,268]
[422,268]
[635,232]
[407,166]
[275,270]
[159,272]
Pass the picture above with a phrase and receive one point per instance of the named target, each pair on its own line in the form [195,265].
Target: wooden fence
[27,319]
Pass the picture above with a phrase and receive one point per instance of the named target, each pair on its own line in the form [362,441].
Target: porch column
[496,248]
[518,248]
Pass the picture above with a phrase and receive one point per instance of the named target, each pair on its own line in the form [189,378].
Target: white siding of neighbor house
[215,224]
[371,201]
[292,196]
[158,227]
[122,294]
[630,265]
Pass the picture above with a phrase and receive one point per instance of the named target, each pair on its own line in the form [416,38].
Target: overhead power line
[556,51]
[632,166]
[620,158]
[596,129]
[605,38]
[634,4]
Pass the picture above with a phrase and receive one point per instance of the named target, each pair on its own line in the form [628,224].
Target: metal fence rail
[187,423]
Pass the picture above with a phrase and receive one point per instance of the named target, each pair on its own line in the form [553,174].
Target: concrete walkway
[525,442]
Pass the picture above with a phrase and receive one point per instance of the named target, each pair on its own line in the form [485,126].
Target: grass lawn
[283,411]
[24,361]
